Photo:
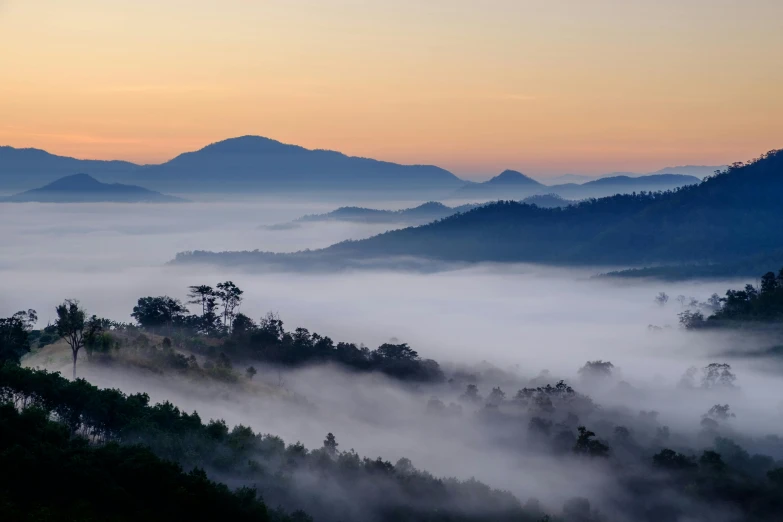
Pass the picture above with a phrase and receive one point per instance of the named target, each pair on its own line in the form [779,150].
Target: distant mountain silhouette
[700,171]
[729,217]
[548,201]
[424,213]
[22,169]
[609,186]
[567,178]
[512,185]
[256,164]
[83,188]
[509,184]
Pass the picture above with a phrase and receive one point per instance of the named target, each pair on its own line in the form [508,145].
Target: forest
[720,226]
[112,444]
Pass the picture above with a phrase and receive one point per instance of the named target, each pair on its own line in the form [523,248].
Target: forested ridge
[729,217]
[121,441]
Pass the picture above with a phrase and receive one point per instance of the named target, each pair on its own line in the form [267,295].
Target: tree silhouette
[70,325]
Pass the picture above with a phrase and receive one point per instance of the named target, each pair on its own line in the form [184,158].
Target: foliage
[59,477]
[367,488]
[15,335]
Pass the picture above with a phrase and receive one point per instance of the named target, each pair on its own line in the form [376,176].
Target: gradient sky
[545,87]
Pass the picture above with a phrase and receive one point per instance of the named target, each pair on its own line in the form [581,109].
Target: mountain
[512,185]
[548,201]
[568,178]
[700,171]
[509,184]
[256,164]
[729,217]
[623,184]
[424,213]
[83,188]
[237,165]
[22,169]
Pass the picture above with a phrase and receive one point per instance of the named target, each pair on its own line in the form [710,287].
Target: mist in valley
[496,326]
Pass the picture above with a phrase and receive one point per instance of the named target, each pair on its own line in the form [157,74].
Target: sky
[541,86]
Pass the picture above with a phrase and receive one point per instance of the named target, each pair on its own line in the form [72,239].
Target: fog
[506,324]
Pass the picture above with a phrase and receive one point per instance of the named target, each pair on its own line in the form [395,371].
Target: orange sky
[541,86]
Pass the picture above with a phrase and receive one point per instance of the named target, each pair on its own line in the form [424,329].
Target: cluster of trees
[56,476]
[99,425]
[267,341]
[753,304]
[219,309]
[219,332]
[661,475]
[96,425]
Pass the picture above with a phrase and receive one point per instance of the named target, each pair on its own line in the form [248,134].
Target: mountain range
[83,188]
[728,218]
[257,165]
[511,184]
[424,213]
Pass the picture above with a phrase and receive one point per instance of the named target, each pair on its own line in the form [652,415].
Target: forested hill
[730,216]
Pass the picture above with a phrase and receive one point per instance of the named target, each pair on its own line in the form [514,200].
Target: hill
[700,171]
[256,164]
[83,188]
[247,163]
[509,184]
[623,184]
[514,185]
[424,213]
[729,217]
[22,169]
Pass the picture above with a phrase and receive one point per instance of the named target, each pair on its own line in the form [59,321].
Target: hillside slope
[728,217]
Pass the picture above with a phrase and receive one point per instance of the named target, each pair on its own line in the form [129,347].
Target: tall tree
[206,296]
[202,295]
[230,297]
[70,325]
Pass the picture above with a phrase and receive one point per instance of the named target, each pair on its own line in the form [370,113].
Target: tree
[586,445]
[691,320]
[401,352]
[230,297]
[670,459]
[70,325]
[662,298]
[14,335]
[596,369]
[205,296]
[471,394]
[719,413]
[717,375]
[155,313]
[250,372]
[242,324]
[330,445]
[496,397]
[94,335]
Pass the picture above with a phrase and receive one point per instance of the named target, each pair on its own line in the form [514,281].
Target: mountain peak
[79,181]
[247,145]
[509,177]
